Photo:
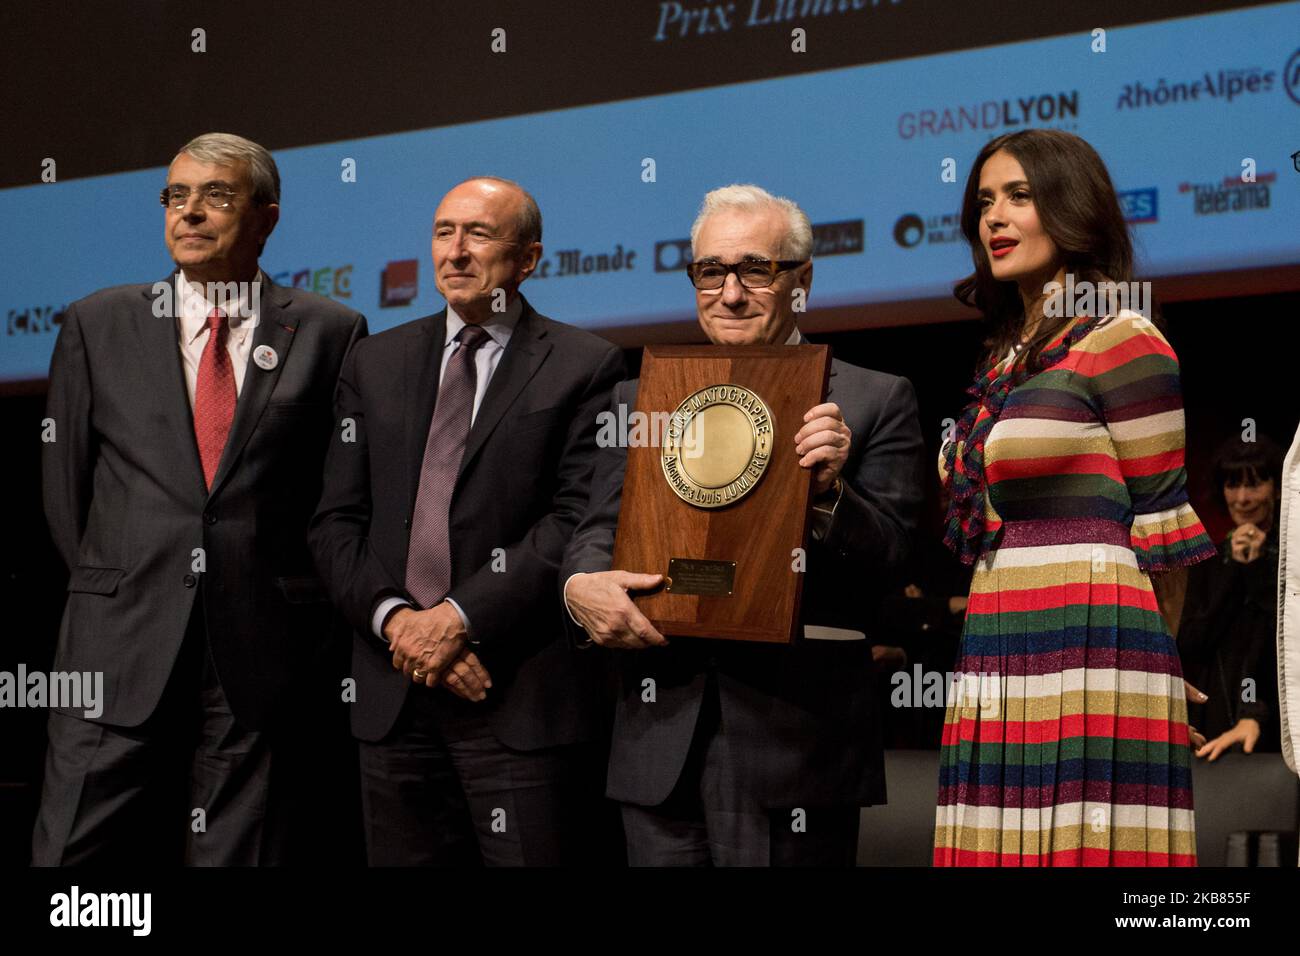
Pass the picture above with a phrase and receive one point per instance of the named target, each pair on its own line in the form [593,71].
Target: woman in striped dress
[1065,740]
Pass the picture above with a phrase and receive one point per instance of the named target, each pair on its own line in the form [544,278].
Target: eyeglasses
[178,197]
[752,273]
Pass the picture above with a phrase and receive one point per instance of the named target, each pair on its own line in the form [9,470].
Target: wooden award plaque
[715,499]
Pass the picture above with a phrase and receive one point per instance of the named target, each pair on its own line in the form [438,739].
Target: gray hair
[224,149]
[798,240]
[529,223]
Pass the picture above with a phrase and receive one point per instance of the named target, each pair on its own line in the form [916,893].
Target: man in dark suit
[445,512]
[729,753]
[190,421]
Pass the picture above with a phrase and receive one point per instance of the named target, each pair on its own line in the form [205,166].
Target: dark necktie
[428,557]
[214,396]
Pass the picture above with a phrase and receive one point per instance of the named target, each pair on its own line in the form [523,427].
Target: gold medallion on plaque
[717,445]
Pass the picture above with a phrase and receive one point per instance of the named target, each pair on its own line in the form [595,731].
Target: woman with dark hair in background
[1066,740]
[1229,626]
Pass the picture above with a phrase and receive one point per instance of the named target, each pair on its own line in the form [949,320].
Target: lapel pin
[265,357]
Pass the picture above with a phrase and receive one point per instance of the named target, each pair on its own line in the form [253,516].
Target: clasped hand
[433,642]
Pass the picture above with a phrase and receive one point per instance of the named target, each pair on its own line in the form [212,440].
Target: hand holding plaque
[823,444]
[722,507]
[599,602]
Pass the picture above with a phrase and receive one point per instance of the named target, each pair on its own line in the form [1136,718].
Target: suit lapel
[423,368]
[275,327]
[524,354]
[830,381]
[161,359]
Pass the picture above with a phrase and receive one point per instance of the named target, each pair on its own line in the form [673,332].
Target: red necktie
[214,396]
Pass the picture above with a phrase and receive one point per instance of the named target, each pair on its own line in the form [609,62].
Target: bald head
[528,220]
[483,242]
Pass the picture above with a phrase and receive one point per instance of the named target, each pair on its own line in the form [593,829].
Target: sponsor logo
[1230,195]
[1060,109]
[37,320]
[575,262]
[911,230]
[672,255]
[1224,86]
[842,238]
[1291,77]
[1140,205]
[334,282]
[399,283]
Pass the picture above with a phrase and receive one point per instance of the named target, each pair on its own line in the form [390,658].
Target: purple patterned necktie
[428,558]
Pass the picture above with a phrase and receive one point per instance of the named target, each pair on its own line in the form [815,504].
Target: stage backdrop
[1196,118]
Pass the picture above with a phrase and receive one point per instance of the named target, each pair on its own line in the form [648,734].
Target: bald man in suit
[440,531]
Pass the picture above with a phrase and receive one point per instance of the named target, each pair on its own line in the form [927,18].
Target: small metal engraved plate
[692,576]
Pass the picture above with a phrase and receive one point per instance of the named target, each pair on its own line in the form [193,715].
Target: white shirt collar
[196,307]
[500,325]
[796,337]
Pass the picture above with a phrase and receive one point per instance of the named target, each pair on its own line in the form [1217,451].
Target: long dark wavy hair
[1078,209]
[1076,203]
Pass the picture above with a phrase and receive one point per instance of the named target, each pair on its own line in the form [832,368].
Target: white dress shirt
[193,333]
[499,329]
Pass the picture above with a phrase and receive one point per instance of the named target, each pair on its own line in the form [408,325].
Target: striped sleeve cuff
[1174,538]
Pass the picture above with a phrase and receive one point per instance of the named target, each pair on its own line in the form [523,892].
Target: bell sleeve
[1137,383]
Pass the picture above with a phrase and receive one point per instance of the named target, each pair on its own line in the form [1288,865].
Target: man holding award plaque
[749,734]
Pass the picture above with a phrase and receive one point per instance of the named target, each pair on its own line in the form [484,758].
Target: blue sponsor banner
[1196,118]
[1140,205]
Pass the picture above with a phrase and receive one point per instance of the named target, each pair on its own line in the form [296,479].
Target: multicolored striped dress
[1065,739]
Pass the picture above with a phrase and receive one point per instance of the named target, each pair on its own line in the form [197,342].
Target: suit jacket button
[209,518]
[190,580]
